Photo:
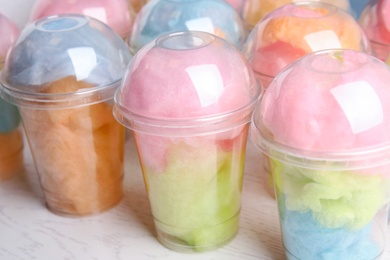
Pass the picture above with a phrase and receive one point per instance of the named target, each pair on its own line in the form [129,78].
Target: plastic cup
[11,138]
[62,74]
[188,98]
[294,30]
[160,17]
[323,122]
[118,14]
[375,21]
[256,10]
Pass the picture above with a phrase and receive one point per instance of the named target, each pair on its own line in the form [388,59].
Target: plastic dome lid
[118,14]
[186,81]
[8,34]
[295,29]
[375,20]
[328,106]
[255,10]
[64,46]
[159,17]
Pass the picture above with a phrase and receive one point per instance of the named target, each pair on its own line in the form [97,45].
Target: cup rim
[354,159]
[202,125]
[47,101]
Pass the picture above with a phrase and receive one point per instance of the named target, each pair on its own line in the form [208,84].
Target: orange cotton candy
[78,153]
[296,29]
[11,158]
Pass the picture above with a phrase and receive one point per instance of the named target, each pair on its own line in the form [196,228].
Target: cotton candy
[305,238]
[118,14]
[375,20]
[337,199]
[159,17]
[256,10]
[326,126]
[293,30]
[79,154]
[198,204]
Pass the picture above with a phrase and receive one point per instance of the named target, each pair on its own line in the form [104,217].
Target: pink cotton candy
[8,34]
[206,81]
[375,20]
[332,104]
[185,89]
[384,15]
[115,13]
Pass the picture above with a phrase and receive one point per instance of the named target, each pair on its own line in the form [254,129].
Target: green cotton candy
[336,198]
[198,198]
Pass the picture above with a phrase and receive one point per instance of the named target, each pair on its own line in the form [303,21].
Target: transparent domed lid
[254,11]
[375,20]
[8,34]
[296,29]
[186,80]
[81,49]
[167,16]
[118,14]
[329,105]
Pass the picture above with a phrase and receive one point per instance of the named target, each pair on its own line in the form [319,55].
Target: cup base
[82,208]
[224,233]
[290,256]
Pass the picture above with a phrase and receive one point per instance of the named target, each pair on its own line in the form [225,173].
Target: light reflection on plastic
[207,81]
[360,104]
[96,12]
[322,40]
[203,24]
[84,60]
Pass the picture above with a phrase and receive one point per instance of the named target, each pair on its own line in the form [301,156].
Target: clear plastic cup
[188,98]
[294,30]
[159,17]
[323,122]
[256,10]
[11,141]
[62,74]
[375,21]
[118,14]
[11,137]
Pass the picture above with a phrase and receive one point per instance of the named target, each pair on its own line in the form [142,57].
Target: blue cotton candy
[306,239]
[160,17]
[9,117]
